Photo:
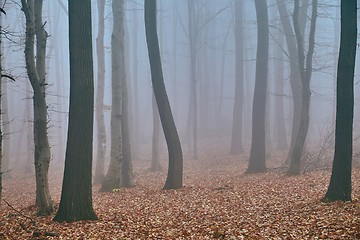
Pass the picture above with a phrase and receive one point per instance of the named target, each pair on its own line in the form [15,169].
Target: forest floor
[218,201]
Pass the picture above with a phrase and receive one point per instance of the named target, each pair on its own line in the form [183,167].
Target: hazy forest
[179,119]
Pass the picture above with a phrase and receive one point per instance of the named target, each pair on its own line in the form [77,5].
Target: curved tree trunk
[340,181]
[305,67]
[175,169]
[257,161]
[36,74]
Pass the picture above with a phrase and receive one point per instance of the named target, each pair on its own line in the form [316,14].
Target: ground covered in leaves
[218,201]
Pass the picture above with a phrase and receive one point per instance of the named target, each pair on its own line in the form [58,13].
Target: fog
[214,74]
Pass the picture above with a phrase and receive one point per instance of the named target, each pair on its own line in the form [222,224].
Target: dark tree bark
[36,74]
[175,169]
[340,181]
[305,68]
[257,161]
[76,194]
[237,128]
[99,104]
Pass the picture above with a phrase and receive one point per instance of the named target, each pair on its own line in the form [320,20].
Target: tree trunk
[340,181]
[99,104]
[155,153]
[175,169]
[279,123]
[237,128]
[6,130]
[193,69]
[305,68]
[76,194]
[257,161]
[112,177]
[36,74]
[127,175]
[295,79]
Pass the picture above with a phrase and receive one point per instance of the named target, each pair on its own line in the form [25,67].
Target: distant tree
[175,169]
[76,194]
[113,175]
[305,68]
[236,136]
[155,153]
[127,175]
[257,161]
[99,103]
[292,54]
[36,73]
[340,182]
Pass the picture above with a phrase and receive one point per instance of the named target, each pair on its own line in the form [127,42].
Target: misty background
[215,75]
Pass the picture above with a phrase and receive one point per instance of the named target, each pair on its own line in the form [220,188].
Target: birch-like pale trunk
[112,177]
[99,101]
[36,73]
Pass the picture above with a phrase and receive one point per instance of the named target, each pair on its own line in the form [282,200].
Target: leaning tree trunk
[36,74]
[99,104]
[305,67]
[112,177]
[257,161]
[175,169]
[76,194]
[340,182]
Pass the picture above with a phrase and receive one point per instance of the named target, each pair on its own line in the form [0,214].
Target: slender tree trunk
[136,128]
[340,181]
[175,169]
[193,69]
[99,104]
[295,79]
[112,177]
[6,130]
[155,161]
[257,161]
[305,67]
[279,123]
[36,74]
[127,175]
[76,194]
[237,128]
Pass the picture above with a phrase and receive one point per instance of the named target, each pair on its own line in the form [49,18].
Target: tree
[257,162]
[236,136]
[99,103]
[112,177]
[175,169]
[155,150]
[305,68]
[292,54]
[76,194]
[36,73]
[340,181]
